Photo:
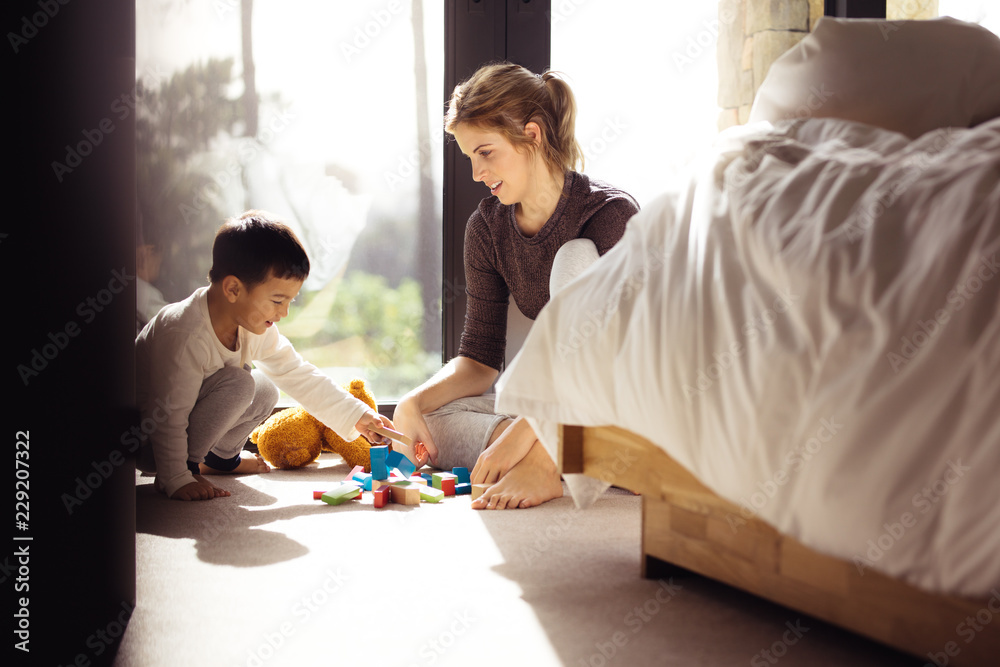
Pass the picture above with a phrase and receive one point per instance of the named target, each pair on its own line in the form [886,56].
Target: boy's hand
[374,419]
[199,489]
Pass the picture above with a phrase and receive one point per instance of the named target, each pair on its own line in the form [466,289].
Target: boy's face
[265,304]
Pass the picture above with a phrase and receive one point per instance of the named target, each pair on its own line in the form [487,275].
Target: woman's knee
[572,259]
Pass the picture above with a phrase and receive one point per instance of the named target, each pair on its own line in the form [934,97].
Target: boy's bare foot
[249,465]
[533,481]
[199,489]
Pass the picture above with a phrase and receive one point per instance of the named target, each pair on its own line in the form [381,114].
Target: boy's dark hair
[254,246]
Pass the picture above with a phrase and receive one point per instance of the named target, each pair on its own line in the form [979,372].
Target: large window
[646,83]
[328,115]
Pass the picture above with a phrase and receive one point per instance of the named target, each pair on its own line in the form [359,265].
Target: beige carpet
[272,577]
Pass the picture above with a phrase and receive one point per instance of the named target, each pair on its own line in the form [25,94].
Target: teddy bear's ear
[357,389]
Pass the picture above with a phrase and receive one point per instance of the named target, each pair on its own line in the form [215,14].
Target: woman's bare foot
[250,464]
[533,481]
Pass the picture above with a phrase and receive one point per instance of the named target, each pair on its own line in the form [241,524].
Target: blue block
[397,460]
[365,478]
[378,456]
[464,488]
[427,476]
[462,474]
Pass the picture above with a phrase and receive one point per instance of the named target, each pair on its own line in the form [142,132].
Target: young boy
[193,375]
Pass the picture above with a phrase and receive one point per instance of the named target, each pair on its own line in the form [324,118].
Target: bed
[794,353]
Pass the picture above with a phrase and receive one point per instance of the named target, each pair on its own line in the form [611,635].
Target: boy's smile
[259,308]
[231,306]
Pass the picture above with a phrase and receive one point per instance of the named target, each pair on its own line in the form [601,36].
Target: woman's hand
[410,421]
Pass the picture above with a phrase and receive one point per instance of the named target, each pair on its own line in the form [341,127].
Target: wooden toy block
[396,476]
[383,495]
[463,489]
[438,479]
[403,443]
[462,475]
[405,493]
[341,493]
[397,460]
[378,454]
[365,478]
[395,435]
[430,494]
[380,483]
[355,470]
[479,489]
[427,476]
[318,494]
[448,486]
[418,479]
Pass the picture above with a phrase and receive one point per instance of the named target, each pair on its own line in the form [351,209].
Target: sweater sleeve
[484,336]
[316,392]
[176,368]
[607,226]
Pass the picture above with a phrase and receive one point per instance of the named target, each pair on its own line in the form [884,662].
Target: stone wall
[753,33]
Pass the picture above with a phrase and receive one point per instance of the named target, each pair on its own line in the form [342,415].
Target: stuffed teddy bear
[293,438]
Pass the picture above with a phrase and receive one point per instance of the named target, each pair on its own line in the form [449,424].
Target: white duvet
[811,325]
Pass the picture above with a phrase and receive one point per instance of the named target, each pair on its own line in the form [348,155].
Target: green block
[340,494]
[430,494]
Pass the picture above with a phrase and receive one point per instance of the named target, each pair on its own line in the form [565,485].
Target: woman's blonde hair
[504,97]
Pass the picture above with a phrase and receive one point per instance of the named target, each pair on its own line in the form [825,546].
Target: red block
[318,494]
[448,486]
[382,495]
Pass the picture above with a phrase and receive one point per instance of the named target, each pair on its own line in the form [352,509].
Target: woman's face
[496,163]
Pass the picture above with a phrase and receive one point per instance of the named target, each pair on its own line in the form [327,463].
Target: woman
[542,224]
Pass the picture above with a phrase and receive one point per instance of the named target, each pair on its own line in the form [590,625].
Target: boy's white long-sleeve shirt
[178,349]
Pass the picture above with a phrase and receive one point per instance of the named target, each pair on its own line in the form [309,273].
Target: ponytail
[504,97]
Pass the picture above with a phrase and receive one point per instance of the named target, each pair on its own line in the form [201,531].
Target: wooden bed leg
[570,449]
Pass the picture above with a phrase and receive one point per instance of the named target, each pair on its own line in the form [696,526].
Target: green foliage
[387,325]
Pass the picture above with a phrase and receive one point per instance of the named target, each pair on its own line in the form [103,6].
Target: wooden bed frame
[684,524]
